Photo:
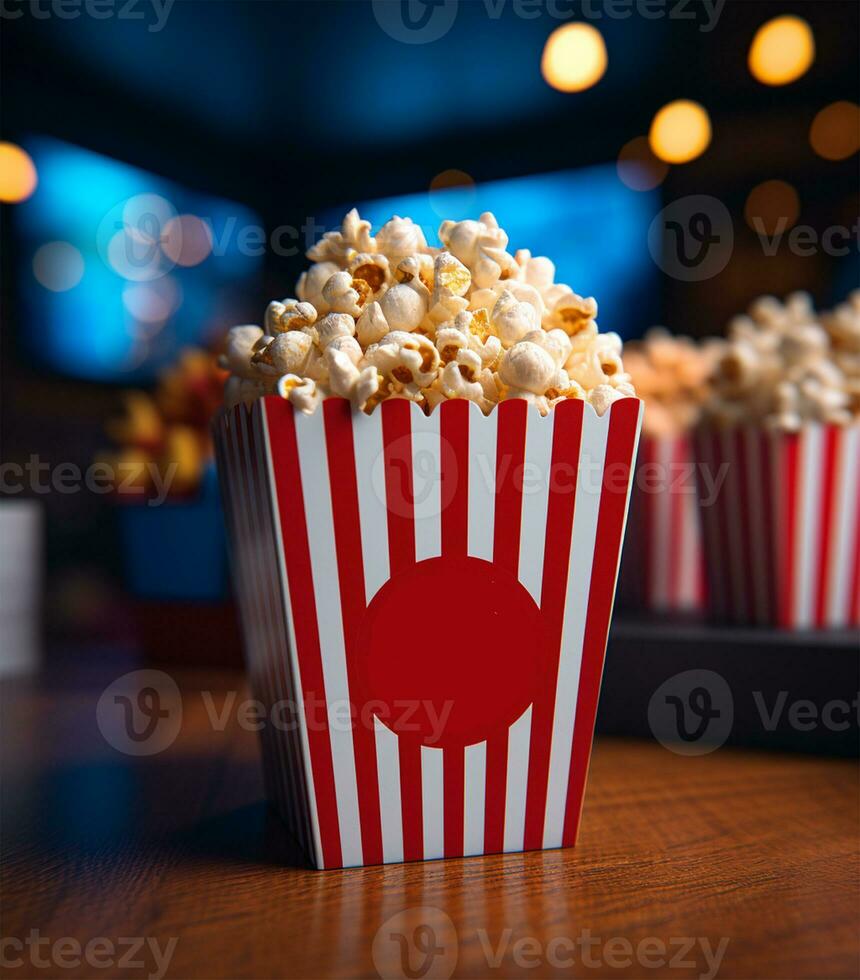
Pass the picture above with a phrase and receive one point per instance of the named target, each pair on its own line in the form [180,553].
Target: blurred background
[166,164]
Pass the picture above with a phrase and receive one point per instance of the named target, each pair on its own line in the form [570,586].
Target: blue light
[593,228]
[87,330]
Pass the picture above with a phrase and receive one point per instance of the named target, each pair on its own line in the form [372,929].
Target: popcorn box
[664,564]
[425,603]
[782,538]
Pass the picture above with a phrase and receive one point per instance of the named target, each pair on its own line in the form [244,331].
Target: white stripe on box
[433,802]
[809,525]
[536,479]
[310,433]
[292,649]
[482,481]
[373,515]
[661,543]
[516,785]
[847,481]
[690,550]
[475,778]
[426,483]
[595,431]
[390,812]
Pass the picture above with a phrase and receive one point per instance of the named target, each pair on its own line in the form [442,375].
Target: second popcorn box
[427,597]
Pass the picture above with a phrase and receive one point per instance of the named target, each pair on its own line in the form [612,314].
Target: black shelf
[795,691]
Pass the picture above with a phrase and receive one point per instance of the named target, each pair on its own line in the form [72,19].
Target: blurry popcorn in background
[164,437]
[663,566]
[785,365]
[783,421]
[171,524]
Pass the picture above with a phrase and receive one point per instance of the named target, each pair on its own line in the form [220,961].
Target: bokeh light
[187,240]
[638,168]
[772,207]
[134,257]
[835,131]
[452,192]
[153,302]
[574,57]
[680,132]
[58,266]
[782,50]
[18,176]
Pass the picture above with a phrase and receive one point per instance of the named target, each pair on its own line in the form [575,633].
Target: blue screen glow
[591,226]
[119,268]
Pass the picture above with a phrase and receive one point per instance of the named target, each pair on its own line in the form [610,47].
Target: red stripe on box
[397,442]
[294,541]
[411,799]
[789,444]
[620,443]
[678,534]
[340,450]
[566,439]
[649,523]
[454,458]
[770,522]
[397,449]
[827,506]
[510,454]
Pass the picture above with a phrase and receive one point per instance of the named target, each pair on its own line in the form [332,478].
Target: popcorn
[672,375]
[346,295]
[301,392]
[310,285]
[288,315]
[512,319]
[391,317]
[337,246]
[399,238]
[371,326]
[527,367]
[285,354]
[784,365]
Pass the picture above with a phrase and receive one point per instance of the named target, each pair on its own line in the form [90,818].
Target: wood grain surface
[735,864]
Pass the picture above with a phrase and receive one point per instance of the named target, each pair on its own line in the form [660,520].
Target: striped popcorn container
[782,534]
[664,565]
[425,605]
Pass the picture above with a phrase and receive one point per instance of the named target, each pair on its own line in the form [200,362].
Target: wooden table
[739,862]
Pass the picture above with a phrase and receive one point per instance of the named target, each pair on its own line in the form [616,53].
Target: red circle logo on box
[451,651]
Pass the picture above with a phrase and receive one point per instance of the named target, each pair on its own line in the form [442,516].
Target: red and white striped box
[664,563]
[426,601]
[782,535]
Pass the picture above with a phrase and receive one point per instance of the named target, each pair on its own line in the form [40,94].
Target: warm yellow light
[17,174]
[782,50]
[638,168]
[680,131]
[772,207]
[574,57]
[835,131]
